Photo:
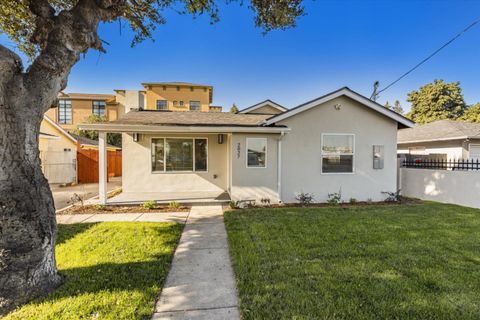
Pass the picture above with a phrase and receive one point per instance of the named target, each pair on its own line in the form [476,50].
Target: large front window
[162,105]
[256,152]
[64,111]
[98,108]
[337,153]
[179,154]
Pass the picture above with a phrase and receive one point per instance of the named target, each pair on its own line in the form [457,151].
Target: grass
[417,261]
[112,271]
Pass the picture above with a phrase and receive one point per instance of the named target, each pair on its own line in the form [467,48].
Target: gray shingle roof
[190,118]
[439,130]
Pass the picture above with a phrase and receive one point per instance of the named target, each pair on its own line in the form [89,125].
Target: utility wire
[430,56]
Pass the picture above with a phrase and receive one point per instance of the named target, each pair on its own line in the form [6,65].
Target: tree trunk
[27,214]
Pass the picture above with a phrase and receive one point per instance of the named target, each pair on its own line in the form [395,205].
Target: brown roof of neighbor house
[176,83]
[439,130]
[86,96]
[84,141]
[190,118]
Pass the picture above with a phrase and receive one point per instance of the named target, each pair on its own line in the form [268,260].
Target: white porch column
[102,167]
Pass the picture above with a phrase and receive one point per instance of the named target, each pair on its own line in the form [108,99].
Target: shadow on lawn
[69,231]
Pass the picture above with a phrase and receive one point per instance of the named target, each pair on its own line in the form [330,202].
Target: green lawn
[112,270]
[418,261]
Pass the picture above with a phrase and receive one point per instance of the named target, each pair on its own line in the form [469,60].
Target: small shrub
[304,198]
[173,205]
[150,204]
[100,207]
[392,196]
[353,201]
[335,198]
[233,204]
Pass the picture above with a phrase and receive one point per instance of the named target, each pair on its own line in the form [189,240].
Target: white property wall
[458,187]
[301,152]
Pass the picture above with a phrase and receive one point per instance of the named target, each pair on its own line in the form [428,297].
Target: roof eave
[131,128]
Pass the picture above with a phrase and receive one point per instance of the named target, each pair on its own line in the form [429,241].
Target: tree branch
[44,21]
[10,63]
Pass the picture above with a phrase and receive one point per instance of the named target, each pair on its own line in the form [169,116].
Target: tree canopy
[234,108]
[29,22]
[436,101]
[472,113]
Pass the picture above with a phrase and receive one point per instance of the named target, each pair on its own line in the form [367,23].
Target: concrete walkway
[179,217]
[200,284]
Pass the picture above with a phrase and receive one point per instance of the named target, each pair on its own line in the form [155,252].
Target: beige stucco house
[443,139]
[340,141]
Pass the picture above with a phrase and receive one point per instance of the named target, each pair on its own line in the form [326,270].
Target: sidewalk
[179,217]
[200,284]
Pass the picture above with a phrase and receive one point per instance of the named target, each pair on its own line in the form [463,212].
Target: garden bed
[98,209]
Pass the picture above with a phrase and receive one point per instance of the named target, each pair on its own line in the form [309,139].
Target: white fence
[449,186]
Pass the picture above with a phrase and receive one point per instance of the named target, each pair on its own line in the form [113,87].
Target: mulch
[92,209]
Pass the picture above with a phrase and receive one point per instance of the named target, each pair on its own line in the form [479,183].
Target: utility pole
[374,95]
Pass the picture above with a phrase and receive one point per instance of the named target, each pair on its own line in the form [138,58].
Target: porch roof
[163,121]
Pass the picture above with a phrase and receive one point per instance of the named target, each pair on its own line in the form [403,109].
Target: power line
[430,56]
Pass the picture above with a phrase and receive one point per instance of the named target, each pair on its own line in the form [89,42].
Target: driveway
[62,195]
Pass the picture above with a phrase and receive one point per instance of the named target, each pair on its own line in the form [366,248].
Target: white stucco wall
[454,149]
[138,176]
[459,187]
[253,183]
[301,152]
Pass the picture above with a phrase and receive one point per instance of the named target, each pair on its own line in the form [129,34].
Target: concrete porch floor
[166,197]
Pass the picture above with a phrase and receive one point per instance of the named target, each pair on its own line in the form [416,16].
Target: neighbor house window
[194,105]
[162,105]
[179,154]
[337,153]
[64,111]
[181,103]
[174,103]
[256,152]
[98,108]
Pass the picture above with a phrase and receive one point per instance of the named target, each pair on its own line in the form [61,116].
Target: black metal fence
[442,164]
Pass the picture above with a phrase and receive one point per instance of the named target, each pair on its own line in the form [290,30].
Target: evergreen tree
[398,107]
[472,114]
[234,108]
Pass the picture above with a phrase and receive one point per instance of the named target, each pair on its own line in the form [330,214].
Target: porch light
[135,137]
[220,139]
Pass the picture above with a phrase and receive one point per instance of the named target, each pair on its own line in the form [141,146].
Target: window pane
[162,105]
[337,163]
[99,108]
[337,143]
[158,151]
[200,154]
[65,111]
[194,105]
[256,152]
[179,154]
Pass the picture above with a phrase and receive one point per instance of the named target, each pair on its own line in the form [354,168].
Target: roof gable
[262,104]
[60,129]
[345,91]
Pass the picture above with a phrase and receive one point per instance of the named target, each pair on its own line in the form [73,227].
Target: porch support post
[102,167]
[279,167]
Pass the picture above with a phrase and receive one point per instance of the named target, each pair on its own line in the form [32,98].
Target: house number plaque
[238,150]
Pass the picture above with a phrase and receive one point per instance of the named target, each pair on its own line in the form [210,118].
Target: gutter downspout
[279,166]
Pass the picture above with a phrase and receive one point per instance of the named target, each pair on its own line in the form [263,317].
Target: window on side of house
[338,152]
[64,111]
[179,154]
[256,152]
[194,105]
[162,105]
[181,103]
[98,108]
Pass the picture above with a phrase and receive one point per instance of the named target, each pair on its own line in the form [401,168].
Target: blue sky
[338,43]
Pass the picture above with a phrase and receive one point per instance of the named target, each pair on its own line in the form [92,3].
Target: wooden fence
[87,165]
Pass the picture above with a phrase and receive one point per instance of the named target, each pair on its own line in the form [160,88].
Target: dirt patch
[92,209]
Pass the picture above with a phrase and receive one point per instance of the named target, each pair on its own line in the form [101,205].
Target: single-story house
[267,107]
[341,141]
[443,139]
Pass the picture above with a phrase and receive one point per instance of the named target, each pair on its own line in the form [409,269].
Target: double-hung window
[338,152]
[64,111]
[194,105]
[256,152]
[179,154]
[98,108]
[162,105]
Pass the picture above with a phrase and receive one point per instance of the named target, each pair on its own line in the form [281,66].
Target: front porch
[184,197]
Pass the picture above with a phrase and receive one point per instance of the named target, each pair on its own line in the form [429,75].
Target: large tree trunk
[27,214]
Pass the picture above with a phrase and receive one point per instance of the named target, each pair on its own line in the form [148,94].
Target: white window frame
[164,171]
[352,154]
[246,152]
